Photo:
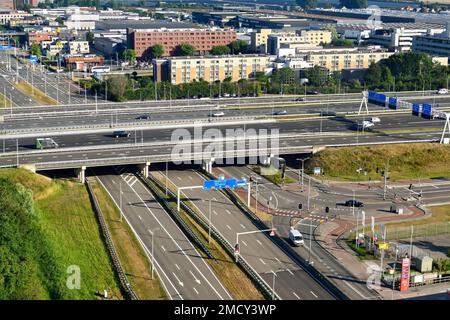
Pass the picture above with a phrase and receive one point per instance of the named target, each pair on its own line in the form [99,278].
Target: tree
[238,46]
[339,42]
[117,86]
[90,37]
[284,75]
[220,50]
[185,49]
[157,51]
[316,76]
[35,49]
[333,31]
[129,55]
[306,4]
[354,4]
[373,75]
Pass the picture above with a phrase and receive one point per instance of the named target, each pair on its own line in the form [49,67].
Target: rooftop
[141,24]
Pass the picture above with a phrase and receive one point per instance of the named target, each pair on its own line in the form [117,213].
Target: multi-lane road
[184,273]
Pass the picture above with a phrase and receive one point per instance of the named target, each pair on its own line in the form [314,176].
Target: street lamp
[120,200]
[152,262]
[303,169]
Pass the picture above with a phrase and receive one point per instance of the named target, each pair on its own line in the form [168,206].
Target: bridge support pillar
[81,174]
[29,167]
[144,168]
[207,165]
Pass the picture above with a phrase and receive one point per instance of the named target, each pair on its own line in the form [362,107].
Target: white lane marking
[289,270]
[177,266]
[277,259]
[243,227]
[195,278]
[227,211]
[179,282]
[228,227]
[314,294]
[164,249]
[214,211]
[296,295]
[131,184]
[259,242]
[140,218]
[262,261]
[245,244]
[195,290]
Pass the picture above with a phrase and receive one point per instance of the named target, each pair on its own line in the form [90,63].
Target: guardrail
[312,272]
[175,216]
[263,286]
[110,245]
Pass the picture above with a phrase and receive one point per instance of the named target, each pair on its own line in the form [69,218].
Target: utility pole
[309,190]
[167,173]
[120,200]
[209,224]
[385,183]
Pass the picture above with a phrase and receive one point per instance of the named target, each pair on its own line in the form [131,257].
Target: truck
[295,237]
[46,143]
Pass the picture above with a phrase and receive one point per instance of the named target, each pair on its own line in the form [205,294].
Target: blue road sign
[392,103]
[222,183]
[415,109]
[427,111]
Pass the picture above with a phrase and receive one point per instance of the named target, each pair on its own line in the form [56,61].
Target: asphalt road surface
[291,282]
[180,267]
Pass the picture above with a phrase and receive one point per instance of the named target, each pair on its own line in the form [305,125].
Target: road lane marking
[259,242]
[245,244]
[314,294]
[214,211]
[227,211]
[296,295]
[140,218]
[196,291]
[195,278]
[164,249]
[228,227]
[289,270]
[177,266]
[277,259]
[243,227]
[262,261]
[179,282]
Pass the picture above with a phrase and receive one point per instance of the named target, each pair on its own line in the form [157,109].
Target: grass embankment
[405,161]
[36,94]
[272,174]
[47,226]
[230,275]
[132,257]
[4,101]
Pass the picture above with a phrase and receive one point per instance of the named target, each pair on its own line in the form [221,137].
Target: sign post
[404,282]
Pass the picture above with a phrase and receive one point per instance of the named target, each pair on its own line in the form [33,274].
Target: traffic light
[300,206]
[327,209]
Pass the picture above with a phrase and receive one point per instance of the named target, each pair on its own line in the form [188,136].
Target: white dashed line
[296,295]
[245,244]
[262,261]
[259,242]
[228,227]
[314,294]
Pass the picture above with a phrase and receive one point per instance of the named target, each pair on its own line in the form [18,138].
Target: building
[7,5]
[109,47]
[59,47]
[39,36]
[83,63]
[209,68]
[77,47]
[343,59]
[202,39]
[79,21]
[399,39]
[121,26]
[215,18]
[438,45]
[5,17]
[258,40]
[285,40]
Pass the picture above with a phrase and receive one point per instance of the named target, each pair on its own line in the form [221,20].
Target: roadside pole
[309,190]
[209,223]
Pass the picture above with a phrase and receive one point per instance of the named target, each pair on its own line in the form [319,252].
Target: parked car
[143,117]
[354,203]
[367,124]
[121,134]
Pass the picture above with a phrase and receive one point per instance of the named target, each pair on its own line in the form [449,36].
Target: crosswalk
[299,214]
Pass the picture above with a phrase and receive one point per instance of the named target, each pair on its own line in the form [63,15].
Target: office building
[202,39]
[209,68]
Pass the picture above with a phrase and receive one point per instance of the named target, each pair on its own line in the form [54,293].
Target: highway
[183,272]
[146,134]
[292,282]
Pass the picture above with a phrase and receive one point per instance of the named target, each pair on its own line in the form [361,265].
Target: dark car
[312,92]
[279,112]
[121,134]
[143,117]
[354,203]
[300,99]
[328,113]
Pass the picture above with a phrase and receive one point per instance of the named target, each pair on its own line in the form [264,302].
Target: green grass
[406,162]
[273,175]
[360,251]
[68,224]
[36,94]
[132,257]
[2,101]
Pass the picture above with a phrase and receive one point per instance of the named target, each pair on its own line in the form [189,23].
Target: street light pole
[309,190]
[153,259]
[167,175]
[209,224]
[120,200]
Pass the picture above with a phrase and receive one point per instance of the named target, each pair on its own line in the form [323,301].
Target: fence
[110,246]
[423,230]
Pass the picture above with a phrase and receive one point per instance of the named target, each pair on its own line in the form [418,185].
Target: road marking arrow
[179,282]
[196,280]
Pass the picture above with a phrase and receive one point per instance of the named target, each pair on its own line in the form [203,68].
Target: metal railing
[256,278]
[157,193]
[110,245]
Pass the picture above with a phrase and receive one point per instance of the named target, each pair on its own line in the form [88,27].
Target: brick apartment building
[141,40]
[39,36]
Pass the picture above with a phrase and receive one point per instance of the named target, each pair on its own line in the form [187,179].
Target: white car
[375,120]
[367,124]
[218,114]
[442,91]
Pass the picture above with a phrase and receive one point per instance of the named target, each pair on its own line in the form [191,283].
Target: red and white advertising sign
[404,283]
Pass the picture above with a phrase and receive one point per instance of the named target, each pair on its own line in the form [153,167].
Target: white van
[296,237]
